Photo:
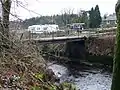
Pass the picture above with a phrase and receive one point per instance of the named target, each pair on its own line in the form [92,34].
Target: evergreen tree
[98,18]
[94,17]
[91,18]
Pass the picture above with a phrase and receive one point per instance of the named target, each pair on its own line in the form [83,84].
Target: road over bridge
[66,38]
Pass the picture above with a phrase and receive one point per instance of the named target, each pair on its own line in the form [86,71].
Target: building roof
[78,24]
[111,17]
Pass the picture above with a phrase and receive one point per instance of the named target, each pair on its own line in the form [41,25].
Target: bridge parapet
[65,34]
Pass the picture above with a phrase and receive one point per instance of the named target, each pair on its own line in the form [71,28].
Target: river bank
[82,76]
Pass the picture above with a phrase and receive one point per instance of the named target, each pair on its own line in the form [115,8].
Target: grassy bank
[22,67]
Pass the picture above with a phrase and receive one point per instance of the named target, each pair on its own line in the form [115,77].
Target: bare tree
[67,15]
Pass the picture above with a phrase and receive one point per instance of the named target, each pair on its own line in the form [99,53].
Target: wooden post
[29,35]
[52,35]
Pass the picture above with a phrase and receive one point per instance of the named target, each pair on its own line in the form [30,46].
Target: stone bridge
[75,46]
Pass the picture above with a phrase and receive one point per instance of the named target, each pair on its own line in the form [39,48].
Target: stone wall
[100,50]
[101,46]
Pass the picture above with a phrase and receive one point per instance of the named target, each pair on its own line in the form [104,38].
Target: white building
[43,28]
[109,21]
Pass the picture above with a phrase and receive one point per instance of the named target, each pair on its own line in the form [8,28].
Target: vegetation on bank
[21,65]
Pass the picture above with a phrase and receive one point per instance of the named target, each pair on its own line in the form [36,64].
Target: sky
[53,7]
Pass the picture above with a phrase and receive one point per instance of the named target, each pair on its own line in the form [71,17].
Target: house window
[108,22]
[38,28]
[45,28]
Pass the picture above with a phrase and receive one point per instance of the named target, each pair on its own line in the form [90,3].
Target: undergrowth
[22,67]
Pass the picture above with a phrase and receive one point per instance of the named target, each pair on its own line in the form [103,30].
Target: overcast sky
[51,7]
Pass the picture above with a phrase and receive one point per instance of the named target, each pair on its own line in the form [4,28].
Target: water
[84,79]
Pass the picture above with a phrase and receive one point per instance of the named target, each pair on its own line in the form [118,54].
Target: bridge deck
[66,38]
[58,39]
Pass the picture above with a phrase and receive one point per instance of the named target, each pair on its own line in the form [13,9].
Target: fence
[24,34]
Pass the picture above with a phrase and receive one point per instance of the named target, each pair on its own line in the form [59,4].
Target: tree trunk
[116,67]
[6,5]
[4,26]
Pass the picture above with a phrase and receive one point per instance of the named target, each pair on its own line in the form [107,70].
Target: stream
[84,77]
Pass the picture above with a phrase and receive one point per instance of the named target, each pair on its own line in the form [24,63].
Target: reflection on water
[91,79]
